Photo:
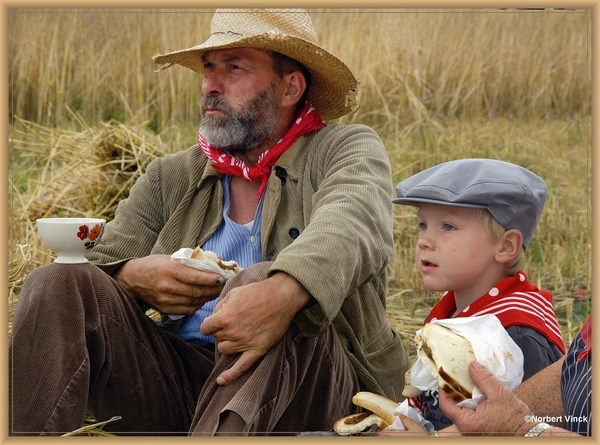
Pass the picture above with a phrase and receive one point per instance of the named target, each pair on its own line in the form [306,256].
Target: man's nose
[211,85]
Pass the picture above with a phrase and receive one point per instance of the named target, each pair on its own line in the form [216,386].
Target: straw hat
[286,31]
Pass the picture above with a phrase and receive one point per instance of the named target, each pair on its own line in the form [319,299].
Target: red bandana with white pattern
[307,121]
[515,301]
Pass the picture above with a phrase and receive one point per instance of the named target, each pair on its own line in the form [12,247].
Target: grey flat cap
[514,195]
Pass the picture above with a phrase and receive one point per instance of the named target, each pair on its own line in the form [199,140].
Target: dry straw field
[88,112]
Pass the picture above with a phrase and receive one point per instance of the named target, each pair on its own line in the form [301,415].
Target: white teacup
[70,238]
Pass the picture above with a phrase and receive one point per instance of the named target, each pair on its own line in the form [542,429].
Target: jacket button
[349,347]
[294,232]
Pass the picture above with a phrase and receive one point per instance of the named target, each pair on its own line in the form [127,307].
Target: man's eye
[422,226]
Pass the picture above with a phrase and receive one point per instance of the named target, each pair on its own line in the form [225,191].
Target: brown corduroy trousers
[81,343]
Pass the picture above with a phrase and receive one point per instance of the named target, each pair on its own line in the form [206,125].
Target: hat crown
[514,195]
[240,23]
[333,86]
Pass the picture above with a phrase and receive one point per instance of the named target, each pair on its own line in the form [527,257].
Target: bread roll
[355,423]
[380,405]
[447,356]
[231,267]
[379,410]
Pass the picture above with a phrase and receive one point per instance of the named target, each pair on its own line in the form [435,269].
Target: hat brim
[333,88]
[416,201]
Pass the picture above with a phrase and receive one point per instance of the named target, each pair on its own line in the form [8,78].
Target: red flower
[83,232]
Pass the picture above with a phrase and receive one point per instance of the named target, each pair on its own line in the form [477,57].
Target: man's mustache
[215,103]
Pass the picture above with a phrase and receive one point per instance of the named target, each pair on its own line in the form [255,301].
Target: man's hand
[252,318]
[168,286]
[501,413]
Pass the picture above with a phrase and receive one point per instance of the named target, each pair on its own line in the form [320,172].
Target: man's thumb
[484,379]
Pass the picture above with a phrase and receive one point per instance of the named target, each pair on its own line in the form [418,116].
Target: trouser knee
[61,289]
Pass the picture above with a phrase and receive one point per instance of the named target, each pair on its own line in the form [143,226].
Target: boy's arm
[538,352]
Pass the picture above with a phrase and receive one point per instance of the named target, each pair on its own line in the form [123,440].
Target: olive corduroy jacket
[327,221]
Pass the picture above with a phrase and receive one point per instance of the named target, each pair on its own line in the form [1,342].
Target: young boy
[476,218]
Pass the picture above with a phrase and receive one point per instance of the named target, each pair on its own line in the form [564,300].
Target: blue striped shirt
[231,241]
[576,383]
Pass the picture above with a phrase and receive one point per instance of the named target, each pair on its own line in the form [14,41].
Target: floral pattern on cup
[91,234]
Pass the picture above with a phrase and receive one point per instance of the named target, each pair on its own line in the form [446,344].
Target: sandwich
[378,410]
[447,356]
[227,268]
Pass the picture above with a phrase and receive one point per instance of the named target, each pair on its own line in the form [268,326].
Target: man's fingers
[447,404]
[485,380]
[195,277]
[208,327]
[245,362]
[220,303]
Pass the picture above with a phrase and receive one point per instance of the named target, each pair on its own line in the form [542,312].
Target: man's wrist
[301,297]
[523,428]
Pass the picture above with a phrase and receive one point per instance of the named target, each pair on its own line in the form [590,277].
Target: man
[303,206]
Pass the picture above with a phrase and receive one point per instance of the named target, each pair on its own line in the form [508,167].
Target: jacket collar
[293,160]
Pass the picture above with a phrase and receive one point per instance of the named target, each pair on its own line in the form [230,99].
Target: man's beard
[238,133]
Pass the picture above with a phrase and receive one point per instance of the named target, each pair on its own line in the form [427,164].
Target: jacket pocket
[388,365]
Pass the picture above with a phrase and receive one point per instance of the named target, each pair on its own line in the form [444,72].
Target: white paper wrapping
[493,348]
[185,256]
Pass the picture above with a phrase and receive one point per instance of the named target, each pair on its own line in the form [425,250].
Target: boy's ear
[511,243]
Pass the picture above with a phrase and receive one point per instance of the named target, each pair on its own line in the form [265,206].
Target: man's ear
[295,87]
[511,243]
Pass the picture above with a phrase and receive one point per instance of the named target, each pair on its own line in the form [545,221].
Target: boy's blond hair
[495,231]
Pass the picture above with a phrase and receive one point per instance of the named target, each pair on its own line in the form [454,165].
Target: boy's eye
[422,226]
[448,227]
